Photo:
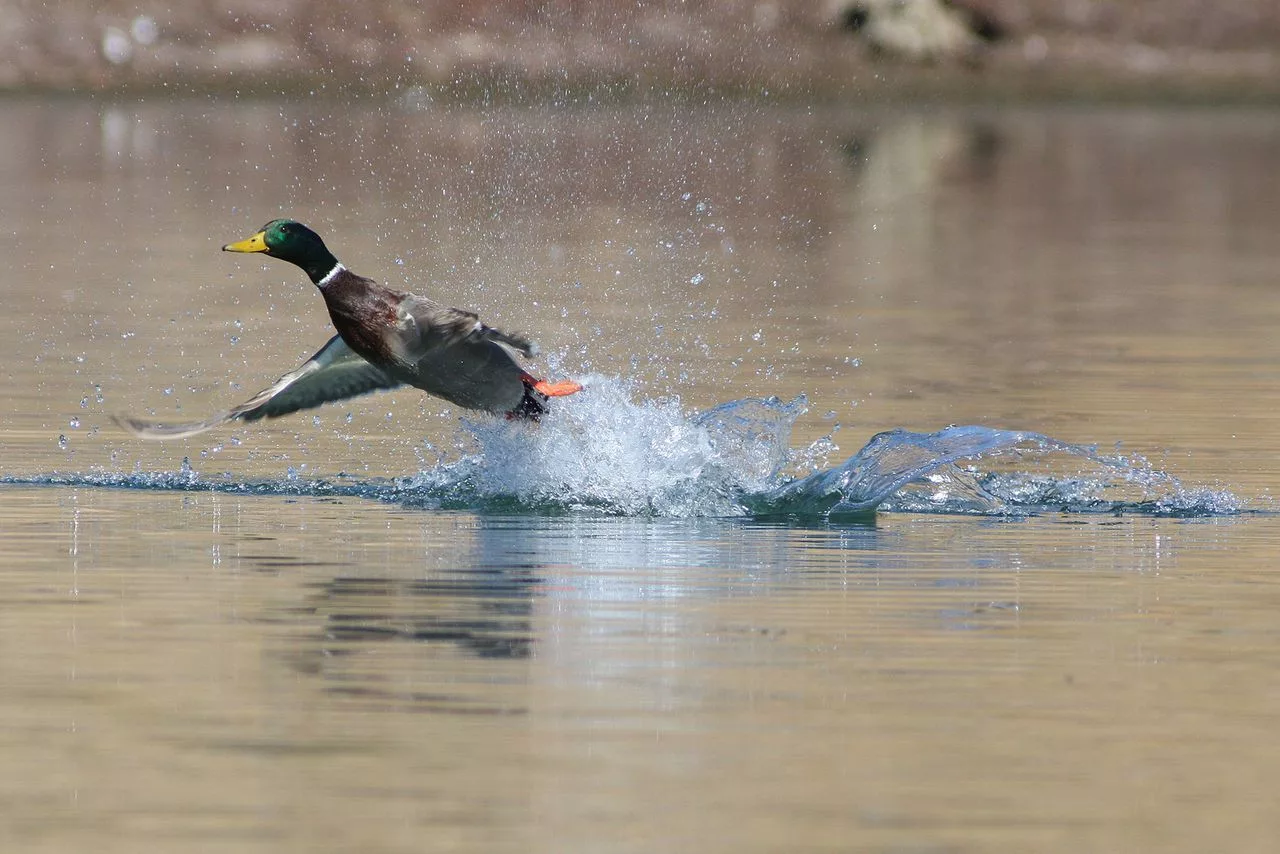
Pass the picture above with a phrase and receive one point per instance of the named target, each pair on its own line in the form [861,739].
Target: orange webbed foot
[563,388]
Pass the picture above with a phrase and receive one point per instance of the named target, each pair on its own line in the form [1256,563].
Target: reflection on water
[518,684]
[292,646]
[498,629]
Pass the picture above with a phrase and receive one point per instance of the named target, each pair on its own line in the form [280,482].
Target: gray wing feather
[435,326]
[333,373]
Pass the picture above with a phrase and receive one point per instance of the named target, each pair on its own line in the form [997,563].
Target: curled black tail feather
[531,407]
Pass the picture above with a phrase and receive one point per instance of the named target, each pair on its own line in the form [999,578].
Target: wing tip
[141,428]
[129,424]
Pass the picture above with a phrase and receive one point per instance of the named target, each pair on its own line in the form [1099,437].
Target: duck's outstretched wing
[334,373]
[428,325]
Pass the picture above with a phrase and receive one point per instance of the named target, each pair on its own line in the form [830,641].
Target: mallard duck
[386,339]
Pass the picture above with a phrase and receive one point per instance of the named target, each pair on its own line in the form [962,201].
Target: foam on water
[604,452]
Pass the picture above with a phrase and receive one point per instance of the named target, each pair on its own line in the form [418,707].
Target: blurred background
[793,47]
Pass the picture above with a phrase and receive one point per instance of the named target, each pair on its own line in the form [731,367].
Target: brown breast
[365,315]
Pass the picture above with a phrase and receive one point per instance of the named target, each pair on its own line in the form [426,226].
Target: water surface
[305,658]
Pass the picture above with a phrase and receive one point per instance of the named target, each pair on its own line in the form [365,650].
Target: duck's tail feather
[520,343]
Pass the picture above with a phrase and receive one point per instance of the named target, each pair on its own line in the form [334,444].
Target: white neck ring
[331,275]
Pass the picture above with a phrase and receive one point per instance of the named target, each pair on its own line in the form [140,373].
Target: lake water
[390,626]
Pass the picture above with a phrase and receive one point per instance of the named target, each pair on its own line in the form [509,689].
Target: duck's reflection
[414,644]
[485,613]
[462,614]
[521,589]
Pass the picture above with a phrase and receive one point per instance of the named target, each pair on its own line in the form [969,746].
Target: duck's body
[443,351]
[386,338]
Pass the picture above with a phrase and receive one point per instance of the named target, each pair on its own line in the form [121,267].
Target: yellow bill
[257,243]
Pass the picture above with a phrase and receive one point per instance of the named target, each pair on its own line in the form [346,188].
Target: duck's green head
[290,241]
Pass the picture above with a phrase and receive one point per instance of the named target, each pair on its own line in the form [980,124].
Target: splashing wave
[603,452]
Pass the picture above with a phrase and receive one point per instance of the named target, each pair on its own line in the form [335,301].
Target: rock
[912,29]
[984,19]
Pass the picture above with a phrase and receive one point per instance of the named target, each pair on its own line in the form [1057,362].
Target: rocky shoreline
[847,49]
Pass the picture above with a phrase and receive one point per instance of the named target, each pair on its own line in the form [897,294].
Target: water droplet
[84,403]
[168,391]
[62,441]
[696,279]
[144,30]
[74,423]
[116,46]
